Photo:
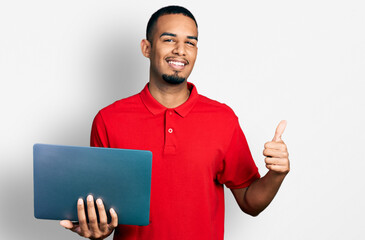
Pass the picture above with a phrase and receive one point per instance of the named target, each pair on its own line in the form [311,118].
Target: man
[197,145]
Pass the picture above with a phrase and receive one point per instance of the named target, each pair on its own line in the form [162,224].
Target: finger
[84,229]
[277,168]
[274,161]
[269,152]
[279,131]
[66,224]
[114,223]
[276,145]
[102,215]
[70,226]
[91,213]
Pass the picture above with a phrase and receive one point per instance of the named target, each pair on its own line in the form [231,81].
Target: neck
[169,95]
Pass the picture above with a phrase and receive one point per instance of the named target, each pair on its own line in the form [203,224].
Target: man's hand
[93,229]
[276,152]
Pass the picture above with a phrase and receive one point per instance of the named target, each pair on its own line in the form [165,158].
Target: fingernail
[90,198]
[80,201]
[99,202]
[112,210]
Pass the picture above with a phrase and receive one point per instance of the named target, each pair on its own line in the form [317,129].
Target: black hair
[165,11]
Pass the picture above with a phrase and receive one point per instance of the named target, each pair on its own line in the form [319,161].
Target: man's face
[174,48]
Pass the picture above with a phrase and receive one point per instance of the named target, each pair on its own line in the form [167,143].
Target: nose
[179,49]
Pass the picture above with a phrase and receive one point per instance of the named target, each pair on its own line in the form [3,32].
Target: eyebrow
[193,37]
[174,35]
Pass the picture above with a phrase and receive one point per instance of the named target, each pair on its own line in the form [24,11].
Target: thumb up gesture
[276,152]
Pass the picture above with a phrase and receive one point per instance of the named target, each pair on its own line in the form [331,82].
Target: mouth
[177,64]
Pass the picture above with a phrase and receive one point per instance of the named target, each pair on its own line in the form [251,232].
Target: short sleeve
[99,136]
[239,169]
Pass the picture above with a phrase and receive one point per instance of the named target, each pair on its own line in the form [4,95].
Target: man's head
[165,11]
[171,44]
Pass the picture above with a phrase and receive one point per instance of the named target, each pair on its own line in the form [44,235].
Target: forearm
[261,192]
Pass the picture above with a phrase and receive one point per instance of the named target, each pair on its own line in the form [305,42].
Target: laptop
[120,177]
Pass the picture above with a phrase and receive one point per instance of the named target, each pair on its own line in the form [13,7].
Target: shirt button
[170,130]
[170,112]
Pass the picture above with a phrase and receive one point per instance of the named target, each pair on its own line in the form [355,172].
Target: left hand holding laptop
[93,229]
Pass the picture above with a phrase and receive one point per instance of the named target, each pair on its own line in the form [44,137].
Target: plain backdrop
[303,61]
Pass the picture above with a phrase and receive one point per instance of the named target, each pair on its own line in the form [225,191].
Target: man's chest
[188,145]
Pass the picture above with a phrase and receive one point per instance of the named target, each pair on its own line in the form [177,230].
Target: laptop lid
[120,177]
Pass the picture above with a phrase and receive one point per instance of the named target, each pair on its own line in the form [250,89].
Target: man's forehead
[177,24]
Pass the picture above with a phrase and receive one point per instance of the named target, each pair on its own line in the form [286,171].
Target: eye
[190,43]
[168,40]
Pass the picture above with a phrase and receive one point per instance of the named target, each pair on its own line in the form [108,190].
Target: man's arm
[255,198]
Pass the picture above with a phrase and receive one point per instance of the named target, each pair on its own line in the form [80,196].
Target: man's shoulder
[214,106]
[127,104]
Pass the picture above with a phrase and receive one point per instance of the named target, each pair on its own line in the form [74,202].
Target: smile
[176,64]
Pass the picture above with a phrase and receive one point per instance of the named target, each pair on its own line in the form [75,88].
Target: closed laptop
[120,177]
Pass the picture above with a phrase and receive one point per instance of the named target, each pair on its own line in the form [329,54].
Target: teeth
[176,63]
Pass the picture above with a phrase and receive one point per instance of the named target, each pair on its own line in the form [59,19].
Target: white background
[303,61]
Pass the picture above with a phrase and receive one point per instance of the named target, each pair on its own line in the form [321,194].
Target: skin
[175,39]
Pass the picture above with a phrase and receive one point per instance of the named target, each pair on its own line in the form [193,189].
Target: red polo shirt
[197,147]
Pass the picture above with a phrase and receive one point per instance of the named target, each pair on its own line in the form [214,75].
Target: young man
[197,145]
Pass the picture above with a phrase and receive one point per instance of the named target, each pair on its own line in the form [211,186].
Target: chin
[173,79]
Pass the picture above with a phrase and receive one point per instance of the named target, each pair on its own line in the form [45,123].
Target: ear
[146,48]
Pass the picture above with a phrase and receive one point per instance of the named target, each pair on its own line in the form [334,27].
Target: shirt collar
[156,108]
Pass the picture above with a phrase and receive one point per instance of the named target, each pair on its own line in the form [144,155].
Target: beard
[173,79]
